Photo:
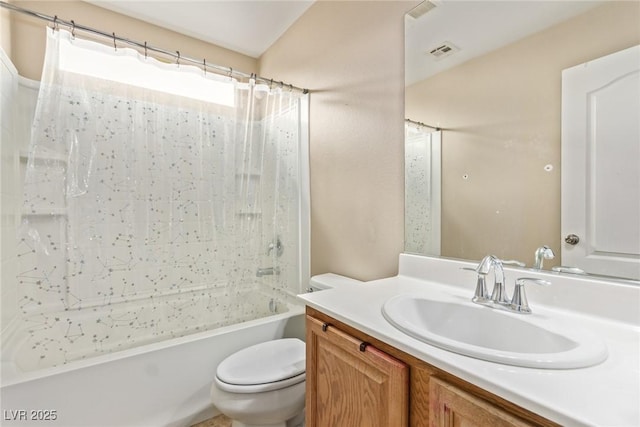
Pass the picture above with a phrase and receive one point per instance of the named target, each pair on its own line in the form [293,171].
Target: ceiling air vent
[443,50]
[421,9]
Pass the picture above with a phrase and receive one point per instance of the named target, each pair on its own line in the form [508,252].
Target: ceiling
[250,27]
[477,27]
[246,26]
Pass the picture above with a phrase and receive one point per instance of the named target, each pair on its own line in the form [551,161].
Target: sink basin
[497,336]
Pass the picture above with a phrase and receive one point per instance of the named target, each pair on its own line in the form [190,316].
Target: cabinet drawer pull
[325,325]
[363,346]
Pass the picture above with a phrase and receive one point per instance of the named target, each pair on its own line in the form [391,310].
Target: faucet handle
[565,269]
[519,301]
[513,262]
[277,245]
[481,294]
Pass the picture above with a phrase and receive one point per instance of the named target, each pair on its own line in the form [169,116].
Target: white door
[601,165]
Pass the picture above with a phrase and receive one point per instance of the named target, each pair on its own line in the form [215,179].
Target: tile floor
[219,421]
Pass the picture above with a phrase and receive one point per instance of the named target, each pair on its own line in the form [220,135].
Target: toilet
[264,385]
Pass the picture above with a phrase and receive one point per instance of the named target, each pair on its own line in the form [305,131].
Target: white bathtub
[161,384]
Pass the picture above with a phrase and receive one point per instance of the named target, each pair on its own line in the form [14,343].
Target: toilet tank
[330,281]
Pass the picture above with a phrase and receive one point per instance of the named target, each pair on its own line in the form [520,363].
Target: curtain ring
[281,84]
[204,66]
[55,23]
[73,29]
[178,58]
[290,87]
[114,41]
[230,72]
[145,50]
[270,84]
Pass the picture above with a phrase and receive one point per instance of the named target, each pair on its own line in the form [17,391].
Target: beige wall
[501,115]
[28,36]
[5,31]
[351,56]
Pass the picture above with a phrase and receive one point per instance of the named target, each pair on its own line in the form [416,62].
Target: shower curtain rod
[71,24]
[413,122]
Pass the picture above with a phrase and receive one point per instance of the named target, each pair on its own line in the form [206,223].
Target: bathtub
[160,384]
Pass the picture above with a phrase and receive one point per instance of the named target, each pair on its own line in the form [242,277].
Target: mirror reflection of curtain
[147,213]
[422,189]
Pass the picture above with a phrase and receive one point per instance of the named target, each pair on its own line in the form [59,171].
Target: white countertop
[607,394]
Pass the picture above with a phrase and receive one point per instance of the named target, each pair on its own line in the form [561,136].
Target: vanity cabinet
[356,380]
[353,383]
[450,406]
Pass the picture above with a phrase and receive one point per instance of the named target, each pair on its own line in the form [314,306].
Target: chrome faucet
[542,253]
[565,269]
[276,247]
[519,302]
[499,293]
[499,298]
[481,296]
[268,271]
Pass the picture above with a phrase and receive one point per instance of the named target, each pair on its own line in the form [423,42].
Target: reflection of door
[601,164]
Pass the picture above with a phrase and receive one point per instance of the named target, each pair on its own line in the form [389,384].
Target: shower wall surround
[146,218]
[422,190]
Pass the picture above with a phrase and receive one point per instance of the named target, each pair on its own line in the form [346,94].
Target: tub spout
[268,271]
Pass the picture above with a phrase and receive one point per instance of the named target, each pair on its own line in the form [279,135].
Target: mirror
[488,74]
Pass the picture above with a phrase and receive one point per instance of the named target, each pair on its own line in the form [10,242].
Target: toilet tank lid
[264,363]
[331,280]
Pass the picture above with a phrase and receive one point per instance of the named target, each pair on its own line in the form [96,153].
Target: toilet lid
[264,363]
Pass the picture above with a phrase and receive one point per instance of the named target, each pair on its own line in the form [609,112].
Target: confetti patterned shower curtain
[148,208]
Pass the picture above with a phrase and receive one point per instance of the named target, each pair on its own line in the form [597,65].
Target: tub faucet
[276,247]
[542,253]
[268,271]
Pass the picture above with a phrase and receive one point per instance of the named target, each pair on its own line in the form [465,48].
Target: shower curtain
[152,193]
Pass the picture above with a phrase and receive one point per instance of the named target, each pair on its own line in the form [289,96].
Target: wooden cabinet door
[451,407]
[351,384]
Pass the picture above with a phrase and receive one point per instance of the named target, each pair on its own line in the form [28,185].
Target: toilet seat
[271,365]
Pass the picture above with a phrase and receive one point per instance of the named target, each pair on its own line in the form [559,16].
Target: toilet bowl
[262,385]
